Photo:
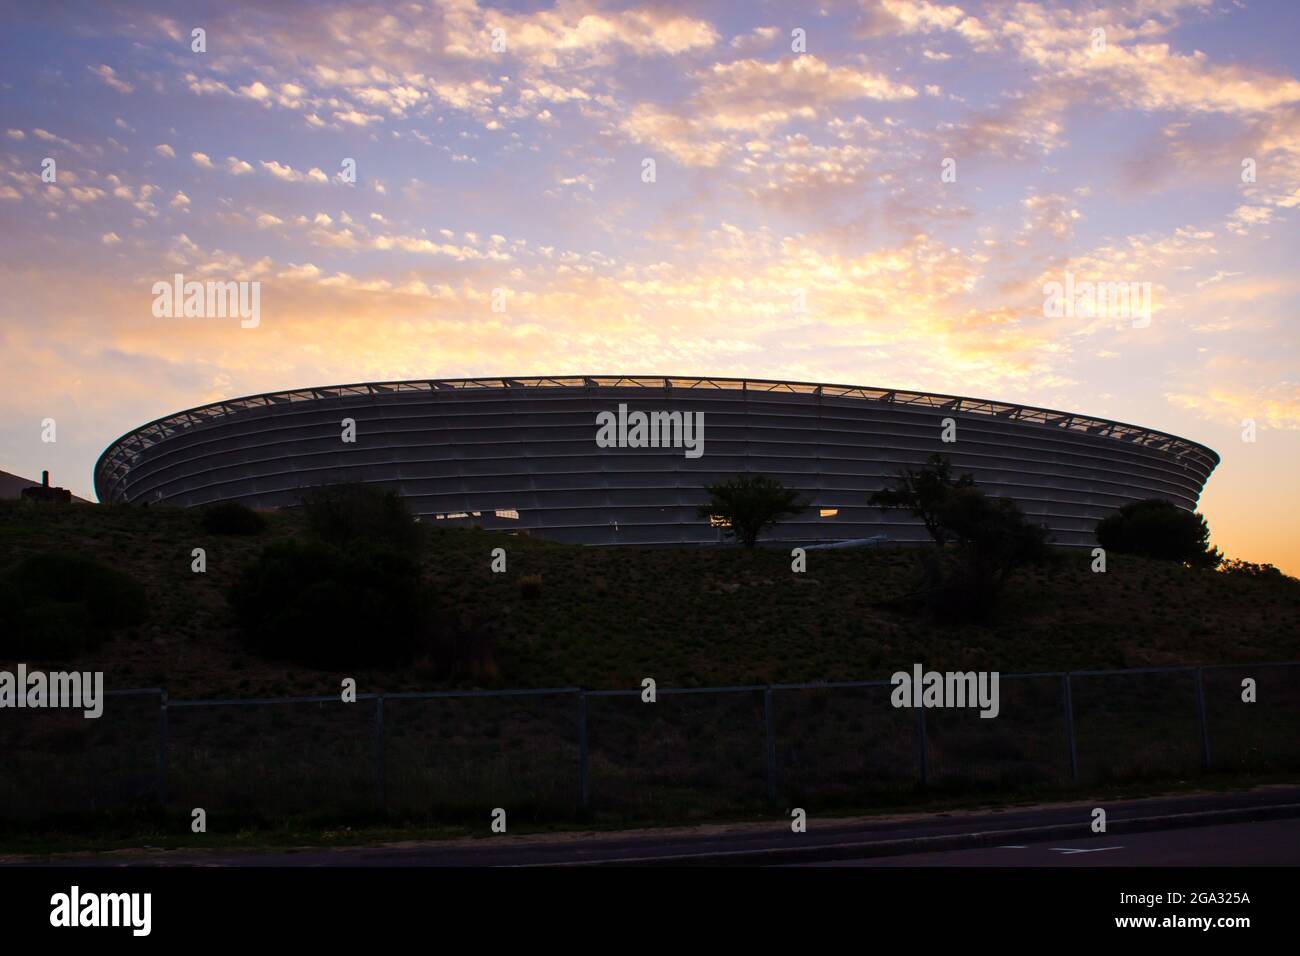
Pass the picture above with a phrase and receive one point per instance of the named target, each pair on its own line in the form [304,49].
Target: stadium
[523,455]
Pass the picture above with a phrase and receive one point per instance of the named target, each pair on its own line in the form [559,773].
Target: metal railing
[693,750]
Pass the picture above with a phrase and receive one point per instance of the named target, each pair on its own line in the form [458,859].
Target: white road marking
[1079,849]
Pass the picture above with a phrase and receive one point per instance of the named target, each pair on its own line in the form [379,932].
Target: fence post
[1069,727]
[584,798]
[769,744]
[1200,719]
[922,745]
[381,781]
[162,748]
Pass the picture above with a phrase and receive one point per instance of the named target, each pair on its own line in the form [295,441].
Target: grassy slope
[608,618]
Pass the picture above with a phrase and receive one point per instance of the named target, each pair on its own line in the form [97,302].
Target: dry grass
[607,618]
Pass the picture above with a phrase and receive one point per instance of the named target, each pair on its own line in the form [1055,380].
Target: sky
[877,192]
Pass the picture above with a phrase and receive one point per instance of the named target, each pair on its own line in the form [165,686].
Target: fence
[553,752]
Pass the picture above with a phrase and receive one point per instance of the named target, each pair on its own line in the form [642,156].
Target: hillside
[687,617]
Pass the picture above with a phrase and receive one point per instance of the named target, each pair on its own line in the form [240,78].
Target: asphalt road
[945,837]
[1271,843]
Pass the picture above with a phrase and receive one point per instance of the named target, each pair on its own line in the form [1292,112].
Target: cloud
[686,139]
[48,137]
[1244,217]
[797,166]
[357,118]
[1024,123]
[760,38]
[1269,406]
[571,34]
[755,95]
[290,175]
[921,16]
[257,90]
[750,96]
[1049,215]
[107,74]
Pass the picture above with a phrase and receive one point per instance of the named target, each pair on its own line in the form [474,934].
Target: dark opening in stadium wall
[520,454]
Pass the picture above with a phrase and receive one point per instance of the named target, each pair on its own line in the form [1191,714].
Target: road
[1271,843]
[958,838]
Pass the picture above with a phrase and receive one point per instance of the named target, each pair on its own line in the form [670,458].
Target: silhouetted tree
[321,605]
[923,491]
[55,605]
[1158,528]
[349,515]
[1249,569]
[991,538]
[231,517]
[750,504]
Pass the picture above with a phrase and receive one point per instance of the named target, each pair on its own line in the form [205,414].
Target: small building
[43,491]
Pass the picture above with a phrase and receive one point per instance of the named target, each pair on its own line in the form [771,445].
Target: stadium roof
[117,457]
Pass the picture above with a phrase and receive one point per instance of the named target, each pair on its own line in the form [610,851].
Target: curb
[772,856]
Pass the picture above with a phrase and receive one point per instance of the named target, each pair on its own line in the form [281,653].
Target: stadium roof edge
[1119,431]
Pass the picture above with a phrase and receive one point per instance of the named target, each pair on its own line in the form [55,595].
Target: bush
[54,629]
[923,491]
[750,504]
[1249,569]
[530,586]
[231,517]
[351,515]
[1157,528]
[317,604]
[56,605]
[112,598]
[990,538]
[993,539]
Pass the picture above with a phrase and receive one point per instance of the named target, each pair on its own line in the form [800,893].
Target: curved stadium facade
[520,454]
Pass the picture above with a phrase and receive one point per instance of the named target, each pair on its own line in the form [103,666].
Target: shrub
[1249,569]
[350,515]
[994,533]
[923,491]
[53,629]
[750,504]
[231,517]
[56,605]
[1157,528]
[317,604]
[979,540]
[530,586]
[112,598]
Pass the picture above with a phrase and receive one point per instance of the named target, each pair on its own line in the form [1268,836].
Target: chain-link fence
[691,752]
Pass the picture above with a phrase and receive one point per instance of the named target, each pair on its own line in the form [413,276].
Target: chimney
[45,479]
